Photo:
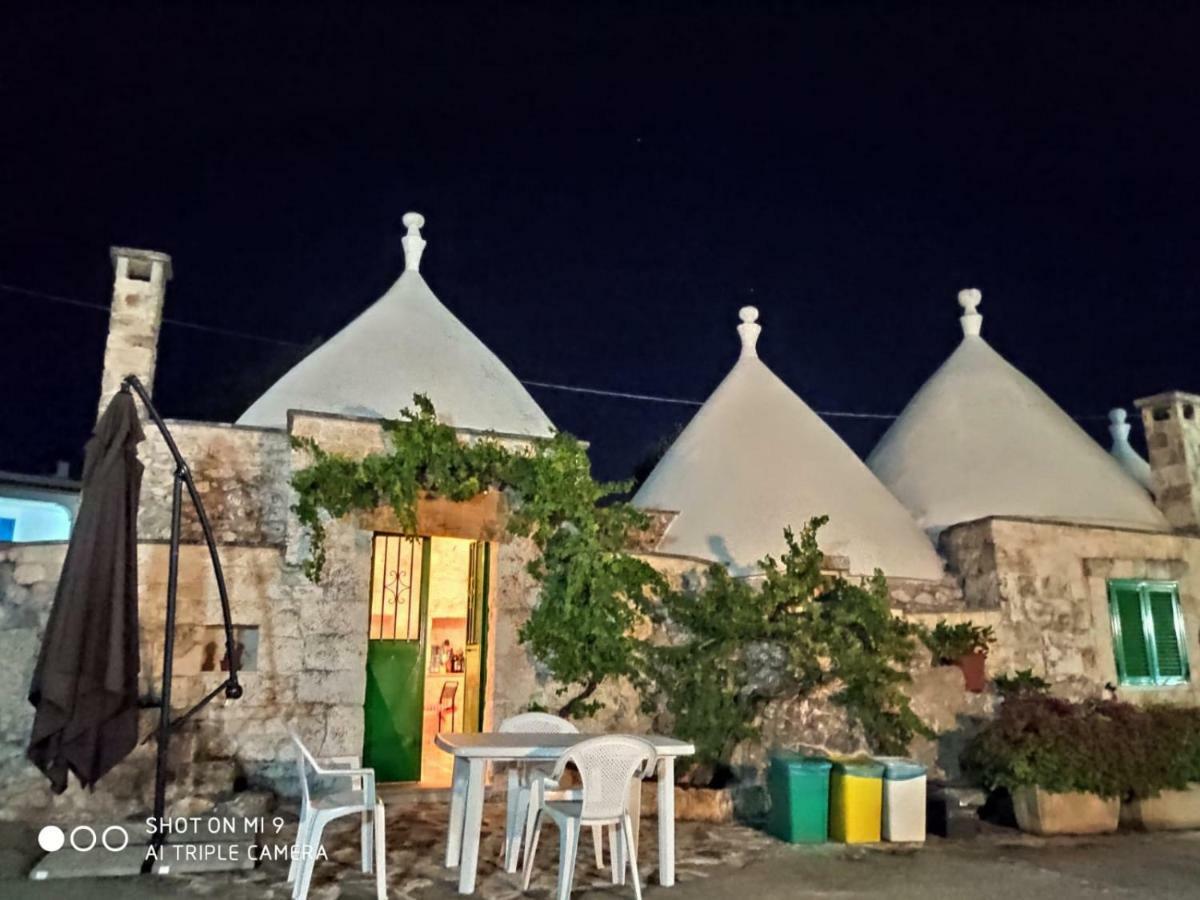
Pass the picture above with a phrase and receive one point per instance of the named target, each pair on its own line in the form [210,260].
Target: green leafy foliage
[1102,747]
[583,626]
[870,649]
[1020,683]
[592,592]
[740,647]
[949,643]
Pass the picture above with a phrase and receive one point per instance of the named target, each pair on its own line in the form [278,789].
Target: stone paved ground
[416,845]
[714,862]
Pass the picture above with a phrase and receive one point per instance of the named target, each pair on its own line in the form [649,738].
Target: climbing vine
[733,646]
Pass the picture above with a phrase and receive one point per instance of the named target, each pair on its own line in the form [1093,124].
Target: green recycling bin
[799,790]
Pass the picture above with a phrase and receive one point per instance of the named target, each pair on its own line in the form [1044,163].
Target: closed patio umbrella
[85,686]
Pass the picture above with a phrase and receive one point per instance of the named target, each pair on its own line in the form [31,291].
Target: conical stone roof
[406,342]
[756,459]
[980,439]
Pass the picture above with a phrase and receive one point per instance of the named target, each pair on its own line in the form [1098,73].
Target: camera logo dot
[51,838]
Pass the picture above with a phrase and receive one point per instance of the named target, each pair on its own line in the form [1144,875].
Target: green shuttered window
[1148,632]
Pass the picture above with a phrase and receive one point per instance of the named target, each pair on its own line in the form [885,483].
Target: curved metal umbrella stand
[230,686]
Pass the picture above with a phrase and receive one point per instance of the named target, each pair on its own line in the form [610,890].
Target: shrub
[949,643]
[738,647]
[1101,747]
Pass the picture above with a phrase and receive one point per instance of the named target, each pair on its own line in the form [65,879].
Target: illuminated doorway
[426,652]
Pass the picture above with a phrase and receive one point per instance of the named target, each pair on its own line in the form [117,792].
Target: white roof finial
[1120,431]
[1122,451]
[749,330]
[414,244]
[972,322]
[1117,426]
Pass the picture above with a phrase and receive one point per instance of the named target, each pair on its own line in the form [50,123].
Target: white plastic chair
[523,801]
[608,766]
[317,812]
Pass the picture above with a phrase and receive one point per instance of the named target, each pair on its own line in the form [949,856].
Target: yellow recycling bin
[856,801]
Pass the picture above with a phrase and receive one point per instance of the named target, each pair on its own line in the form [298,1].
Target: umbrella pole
[164,720]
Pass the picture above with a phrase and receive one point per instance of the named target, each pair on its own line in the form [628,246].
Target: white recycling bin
[903,799]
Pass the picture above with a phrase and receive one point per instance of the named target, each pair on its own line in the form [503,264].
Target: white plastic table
[472,753]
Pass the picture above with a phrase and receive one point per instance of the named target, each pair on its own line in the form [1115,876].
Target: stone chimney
[1172,424]
[139,288]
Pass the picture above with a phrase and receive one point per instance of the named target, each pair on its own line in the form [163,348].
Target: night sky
[604,188]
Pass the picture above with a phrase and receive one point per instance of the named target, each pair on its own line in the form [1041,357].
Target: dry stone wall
[29,576]
[307,670]
[241,475]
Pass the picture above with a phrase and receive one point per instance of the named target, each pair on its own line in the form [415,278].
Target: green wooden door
[393,711]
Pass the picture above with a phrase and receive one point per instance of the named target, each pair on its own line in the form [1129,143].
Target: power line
[195,326]
[627,396]
[603,393]
[549,385]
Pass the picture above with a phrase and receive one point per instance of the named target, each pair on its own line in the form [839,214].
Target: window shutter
[1132,650]
[1171,663]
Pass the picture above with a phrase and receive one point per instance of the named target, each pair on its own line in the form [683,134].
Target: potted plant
[1172,742]
[964,645]
[1065,764]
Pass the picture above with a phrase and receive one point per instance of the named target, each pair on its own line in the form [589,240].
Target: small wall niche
[245,646]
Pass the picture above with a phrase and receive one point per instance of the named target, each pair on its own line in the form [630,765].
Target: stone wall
[1043,588]
[299,673]
[28,578]
[241,475]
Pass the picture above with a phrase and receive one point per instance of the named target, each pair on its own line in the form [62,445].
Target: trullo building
[980,439]
[756,459]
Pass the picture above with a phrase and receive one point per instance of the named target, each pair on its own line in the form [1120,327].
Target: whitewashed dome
[756,459]
[980,439]
[1122,451]
[406,342]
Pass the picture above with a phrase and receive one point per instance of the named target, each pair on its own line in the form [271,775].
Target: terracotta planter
[1170,810]
[1043,812]
[974,669]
